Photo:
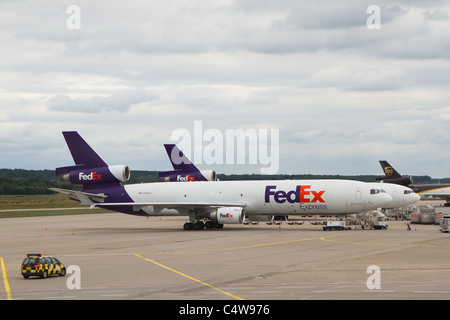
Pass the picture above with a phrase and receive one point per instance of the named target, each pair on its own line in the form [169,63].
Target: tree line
[32,182]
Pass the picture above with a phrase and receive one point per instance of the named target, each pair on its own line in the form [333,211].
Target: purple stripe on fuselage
[117,194]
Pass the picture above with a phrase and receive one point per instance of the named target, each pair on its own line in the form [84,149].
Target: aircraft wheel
[218,225]
[187,226]
[209,224]
[199,225]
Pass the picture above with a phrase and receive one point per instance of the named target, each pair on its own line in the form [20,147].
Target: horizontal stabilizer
[86,198]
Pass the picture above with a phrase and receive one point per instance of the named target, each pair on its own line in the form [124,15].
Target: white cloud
[118,102]
[342,96]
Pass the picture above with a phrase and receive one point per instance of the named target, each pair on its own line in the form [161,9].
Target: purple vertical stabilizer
[89,168]
[184,169]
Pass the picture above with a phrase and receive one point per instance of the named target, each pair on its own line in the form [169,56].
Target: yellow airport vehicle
[41,266]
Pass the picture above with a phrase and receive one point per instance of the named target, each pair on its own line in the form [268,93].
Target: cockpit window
[377,191]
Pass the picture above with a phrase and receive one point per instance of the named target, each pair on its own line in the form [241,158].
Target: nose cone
[414,197]
[381,200]
[401,196]
[384,199]
[409,197]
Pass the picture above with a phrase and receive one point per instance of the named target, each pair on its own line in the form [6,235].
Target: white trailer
[444,226]
[336,225]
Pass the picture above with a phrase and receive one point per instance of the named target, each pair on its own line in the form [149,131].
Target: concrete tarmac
[126,257]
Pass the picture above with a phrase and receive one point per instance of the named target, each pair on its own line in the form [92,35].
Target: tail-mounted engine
[109,174]
[404,181]
[176,175]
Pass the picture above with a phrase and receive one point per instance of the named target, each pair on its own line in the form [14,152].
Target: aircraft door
[359,201]
[358,194]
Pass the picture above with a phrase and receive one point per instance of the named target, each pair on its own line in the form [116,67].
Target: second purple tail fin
[185,170]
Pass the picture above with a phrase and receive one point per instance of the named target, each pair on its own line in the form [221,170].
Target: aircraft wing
[196,206]
[87,198]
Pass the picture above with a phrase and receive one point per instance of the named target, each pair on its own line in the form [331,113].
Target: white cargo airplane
[215,202]
[186,171]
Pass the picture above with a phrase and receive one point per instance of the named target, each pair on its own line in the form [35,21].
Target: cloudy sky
[341,93]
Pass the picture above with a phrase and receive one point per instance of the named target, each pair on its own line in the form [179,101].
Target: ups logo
[388,171]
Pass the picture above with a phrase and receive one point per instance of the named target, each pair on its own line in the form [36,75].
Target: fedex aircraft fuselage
[261,197]
[216,202]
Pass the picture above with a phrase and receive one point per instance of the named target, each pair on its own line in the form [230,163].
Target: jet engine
[230,215]
[109,174]
[176,175]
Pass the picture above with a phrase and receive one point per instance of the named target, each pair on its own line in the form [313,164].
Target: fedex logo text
[185,178]
[226,215]
[90,177]
[301,194]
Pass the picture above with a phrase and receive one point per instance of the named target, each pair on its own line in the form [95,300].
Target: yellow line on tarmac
[5,280]
[418,245]
[268,244]
[364,243]
[204,251]
[189,277]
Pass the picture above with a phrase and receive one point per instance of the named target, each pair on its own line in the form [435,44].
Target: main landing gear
[200,225]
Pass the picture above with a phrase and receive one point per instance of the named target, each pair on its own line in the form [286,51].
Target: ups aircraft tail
[392,176]
[389,171]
